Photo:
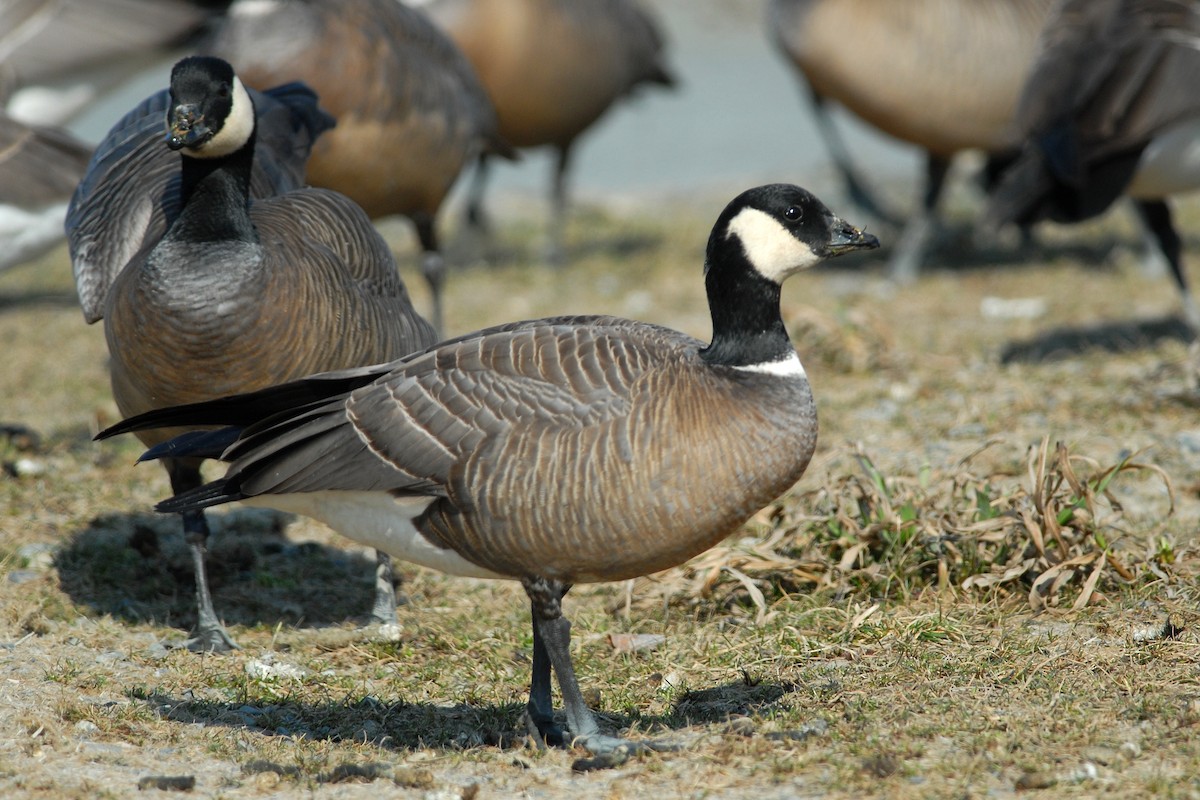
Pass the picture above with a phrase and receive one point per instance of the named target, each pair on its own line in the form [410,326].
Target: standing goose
[499,454]
[944,75]
[409,108]
[238,295]
[1110,108]
[39,169]
[552,68]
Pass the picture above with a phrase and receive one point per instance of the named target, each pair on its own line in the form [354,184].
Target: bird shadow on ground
[137,567]
[13,301]
[1111,337]
[397,725]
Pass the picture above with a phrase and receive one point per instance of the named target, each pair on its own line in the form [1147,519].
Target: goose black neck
[747,326]
[216,198]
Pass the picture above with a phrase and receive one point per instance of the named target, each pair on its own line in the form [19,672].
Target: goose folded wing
[410,430]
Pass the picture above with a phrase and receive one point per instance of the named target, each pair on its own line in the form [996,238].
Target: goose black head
[763,236]
[781,229]
[211,115]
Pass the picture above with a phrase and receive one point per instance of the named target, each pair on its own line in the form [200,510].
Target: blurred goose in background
[499,454]
[552,68]
[1111,107]
[59,56]
[235,295]
[39,169]
[409,107]
[944,75]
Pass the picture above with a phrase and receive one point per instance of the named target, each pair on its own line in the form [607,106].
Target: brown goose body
[551,451]
[944,75]
[543,444]
[410,110]
[552,68]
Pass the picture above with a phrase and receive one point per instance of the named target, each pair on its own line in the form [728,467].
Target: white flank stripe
[377,520]
[789,367]
[772,249]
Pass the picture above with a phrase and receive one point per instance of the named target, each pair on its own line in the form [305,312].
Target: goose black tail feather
[194,444]
[244,410]
[215,493]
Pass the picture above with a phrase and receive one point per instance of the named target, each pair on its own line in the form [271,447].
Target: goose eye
[793,213]
[223,90]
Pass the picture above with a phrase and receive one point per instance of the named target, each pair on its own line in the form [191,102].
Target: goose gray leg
[838,151]
[539,714]
[552,635]
[211,636]
[433,267]
[910,251]
[384,610]
[476,215]
[1156,215]
[556,251]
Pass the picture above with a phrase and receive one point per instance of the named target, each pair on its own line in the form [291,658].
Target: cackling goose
[1110,108]
[238,295]
[552,68]
[498,454]
[944,75]
[410,110]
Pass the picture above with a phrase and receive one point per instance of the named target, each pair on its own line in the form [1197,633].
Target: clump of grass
[1055,532]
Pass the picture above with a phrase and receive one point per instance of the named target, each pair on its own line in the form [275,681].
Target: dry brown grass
[985,584]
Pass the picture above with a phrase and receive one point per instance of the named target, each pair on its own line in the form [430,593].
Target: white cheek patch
[236,131]
[771,248]
[789,367]
[254,8]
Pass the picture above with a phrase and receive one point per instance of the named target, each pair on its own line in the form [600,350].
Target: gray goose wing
[38,166]
[1110,74]
[413,429]
[130,192]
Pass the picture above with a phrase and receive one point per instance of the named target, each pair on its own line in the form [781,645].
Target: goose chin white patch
[772,249]
[237,128]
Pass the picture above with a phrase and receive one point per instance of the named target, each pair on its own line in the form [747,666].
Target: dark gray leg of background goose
[476,217]
[905,262]
[384,611]
[433,267]
[855,188]
[1156,214]
[210,636]
[556,245]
